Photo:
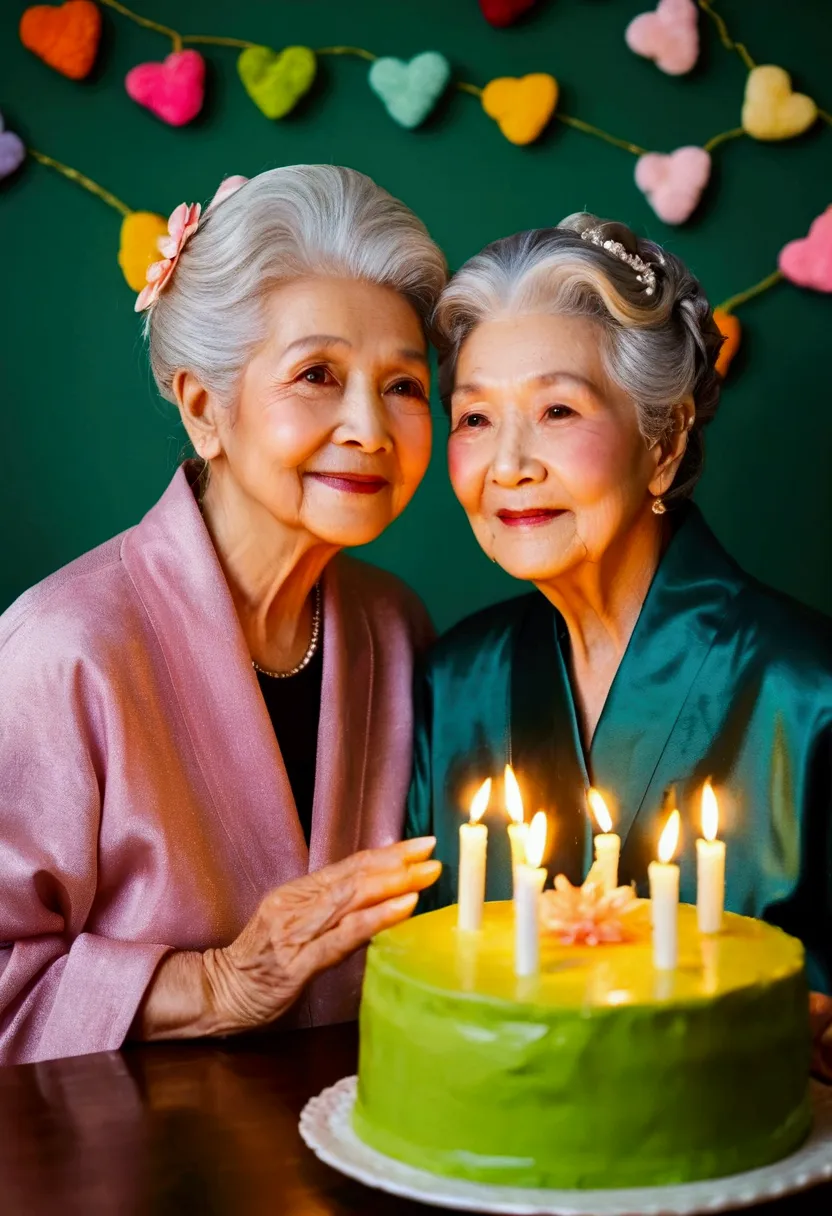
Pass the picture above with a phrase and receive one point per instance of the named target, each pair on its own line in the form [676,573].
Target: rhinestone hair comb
[645,274]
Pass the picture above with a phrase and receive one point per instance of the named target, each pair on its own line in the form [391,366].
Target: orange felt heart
[521,107]
[731,330]
[66,38]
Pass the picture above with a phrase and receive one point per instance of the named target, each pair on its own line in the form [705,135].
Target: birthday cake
[597,1071]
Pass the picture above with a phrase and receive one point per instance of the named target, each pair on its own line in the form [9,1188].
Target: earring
[657,506]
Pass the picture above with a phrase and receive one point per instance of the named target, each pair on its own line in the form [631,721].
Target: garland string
[716,140]
[588,129]
[175,37]
[82,180]
[743,297]
[726,39]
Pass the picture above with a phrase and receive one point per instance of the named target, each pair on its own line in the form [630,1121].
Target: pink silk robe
[144,804]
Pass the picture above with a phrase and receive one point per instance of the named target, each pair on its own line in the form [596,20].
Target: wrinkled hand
[820,1017]
[313,923]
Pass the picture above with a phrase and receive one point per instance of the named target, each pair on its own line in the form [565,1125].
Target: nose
[514,462]
[363,423]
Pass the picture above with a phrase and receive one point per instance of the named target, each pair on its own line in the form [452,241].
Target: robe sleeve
[63,991]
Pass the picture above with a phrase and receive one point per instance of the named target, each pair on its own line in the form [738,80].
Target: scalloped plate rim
[326,1130]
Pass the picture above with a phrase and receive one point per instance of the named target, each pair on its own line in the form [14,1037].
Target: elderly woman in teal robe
[578,372]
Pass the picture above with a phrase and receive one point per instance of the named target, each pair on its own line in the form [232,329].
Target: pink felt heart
[674,184]
[12,151]
[669,36]
[808,262]
[173,90]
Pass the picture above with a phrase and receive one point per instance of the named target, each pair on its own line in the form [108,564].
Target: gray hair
[281,225]
[660,349]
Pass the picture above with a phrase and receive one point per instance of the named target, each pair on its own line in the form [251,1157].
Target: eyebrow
[319,340]
[474,390]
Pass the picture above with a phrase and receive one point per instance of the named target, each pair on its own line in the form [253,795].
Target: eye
[407,388]
[472,422]
[555,412]
[318,375]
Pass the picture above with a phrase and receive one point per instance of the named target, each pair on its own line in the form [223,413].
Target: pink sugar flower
[585,915]
[182,225]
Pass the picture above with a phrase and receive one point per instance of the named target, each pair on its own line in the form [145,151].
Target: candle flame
[599,810]
[514,801]
[479,803]
[710,812]
[670,837]
[536,840]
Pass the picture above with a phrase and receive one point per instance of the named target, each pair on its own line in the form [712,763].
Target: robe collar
[691,592]
[176,573]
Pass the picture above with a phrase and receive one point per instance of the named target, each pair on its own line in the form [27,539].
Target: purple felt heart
[12,152]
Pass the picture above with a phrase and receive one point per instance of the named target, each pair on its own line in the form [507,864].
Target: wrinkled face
[545,453]
[332,431]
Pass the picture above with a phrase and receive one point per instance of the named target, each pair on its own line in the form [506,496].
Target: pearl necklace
[310,649]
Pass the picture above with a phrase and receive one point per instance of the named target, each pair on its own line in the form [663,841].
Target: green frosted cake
[601,1071]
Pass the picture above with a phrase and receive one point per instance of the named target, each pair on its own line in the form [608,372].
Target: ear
[199,411]
[672,448]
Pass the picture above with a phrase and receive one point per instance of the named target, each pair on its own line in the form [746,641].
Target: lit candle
[607,843]
[664,898]
[518,831]
[473,838]
[529,878]
[710,867]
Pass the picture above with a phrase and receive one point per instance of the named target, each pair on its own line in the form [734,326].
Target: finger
[356,929]
[362,890]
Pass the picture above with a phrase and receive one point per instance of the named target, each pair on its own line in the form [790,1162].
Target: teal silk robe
[722,678]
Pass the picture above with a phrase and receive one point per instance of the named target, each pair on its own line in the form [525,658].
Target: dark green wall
[88,446]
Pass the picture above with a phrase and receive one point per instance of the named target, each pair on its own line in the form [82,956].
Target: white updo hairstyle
[284,224]
[659,347]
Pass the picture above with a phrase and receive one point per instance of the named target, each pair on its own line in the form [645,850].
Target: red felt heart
[504,12]
[66,37]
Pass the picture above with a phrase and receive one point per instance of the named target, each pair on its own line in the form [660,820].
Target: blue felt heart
[410,90]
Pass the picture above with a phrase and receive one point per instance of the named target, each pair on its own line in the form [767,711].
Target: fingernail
[423,844]
[428,871]
[403,903]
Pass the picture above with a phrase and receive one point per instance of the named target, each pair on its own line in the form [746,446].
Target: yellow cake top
[430,950]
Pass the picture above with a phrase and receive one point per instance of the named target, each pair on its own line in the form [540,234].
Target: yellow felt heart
[771,110]
[522,106]
[140,232]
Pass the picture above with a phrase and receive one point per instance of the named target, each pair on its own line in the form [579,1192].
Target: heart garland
[521,107]
[808,261]
[12,151]
[65,37]
[411,90]
[674,184]
[276,80]
[669,36]
[772,110]
[501,13]
[173,90]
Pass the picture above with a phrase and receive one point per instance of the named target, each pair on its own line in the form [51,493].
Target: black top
[294,706]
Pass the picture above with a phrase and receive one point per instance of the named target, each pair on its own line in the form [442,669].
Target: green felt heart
[274,81]
[410,90]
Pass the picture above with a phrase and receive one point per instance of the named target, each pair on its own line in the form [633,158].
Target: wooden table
[176,1130]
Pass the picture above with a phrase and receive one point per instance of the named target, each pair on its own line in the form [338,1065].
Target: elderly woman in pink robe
[205,724]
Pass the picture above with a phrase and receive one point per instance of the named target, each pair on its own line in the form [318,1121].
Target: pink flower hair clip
[182,224]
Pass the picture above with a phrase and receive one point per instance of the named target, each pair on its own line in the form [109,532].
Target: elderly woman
[206,719]
[578,368]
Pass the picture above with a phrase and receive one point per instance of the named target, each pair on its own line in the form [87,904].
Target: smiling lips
[352,483]
[531,518]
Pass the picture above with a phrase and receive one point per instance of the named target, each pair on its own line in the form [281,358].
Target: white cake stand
[326,1126]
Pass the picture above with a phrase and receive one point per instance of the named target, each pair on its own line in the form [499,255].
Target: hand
[820,1017]
[310,924]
